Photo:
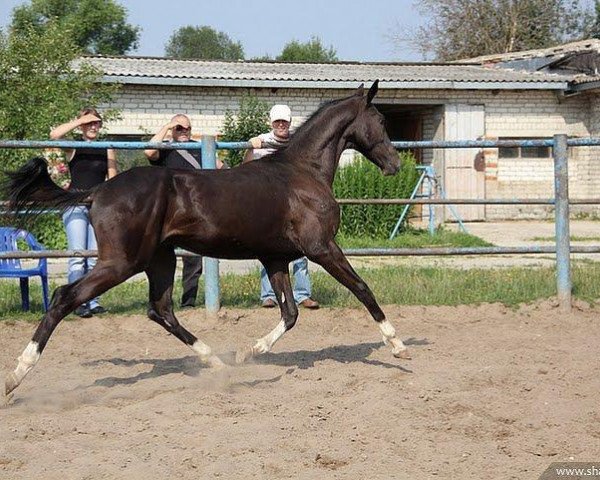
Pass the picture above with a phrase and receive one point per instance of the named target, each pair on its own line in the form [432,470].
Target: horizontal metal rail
[117,145]
[120,145]
[68,254]
[462,201]
[408,201]
[350,252]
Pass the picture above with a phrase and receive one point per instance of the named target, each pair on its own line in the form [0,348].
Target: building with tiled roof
[533,94]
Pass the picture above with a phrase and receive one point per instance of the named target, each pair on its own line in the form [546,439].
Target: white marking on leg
[387,330]
[265,344]
[202,349]
[282,298]
[389,337]
[205,354]
[27,361]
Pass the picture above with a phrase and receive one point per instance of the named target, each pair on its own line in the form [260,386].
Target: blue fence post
[563,241]
[212,293]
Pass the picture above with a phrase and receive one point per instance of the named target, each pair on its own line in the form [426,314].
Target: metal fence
[209,146]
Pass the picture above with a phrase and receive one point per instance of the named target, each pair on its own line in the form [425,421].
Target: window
[524,152]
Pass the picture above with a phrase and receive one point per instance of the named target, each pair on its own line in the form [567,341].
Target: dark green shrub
[49,230]
[362,179]
[251,120]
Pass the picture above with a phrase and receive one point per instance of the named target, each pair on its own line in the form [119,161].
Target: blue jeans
[302,288]
[80,236]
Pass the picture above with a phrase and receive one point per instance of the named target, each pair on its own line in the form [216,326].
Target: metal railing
[209,146]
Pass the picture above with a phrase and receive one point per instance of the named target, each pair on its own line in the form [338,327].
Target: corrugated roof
[154,70]
[557,51]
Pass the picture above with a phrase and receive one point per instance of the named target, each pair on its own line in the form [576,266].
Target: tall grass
[414,238]
[402,285]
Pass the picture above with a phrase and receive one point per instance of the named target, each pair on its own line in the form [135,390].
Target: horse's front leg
[280,281]
[333,260]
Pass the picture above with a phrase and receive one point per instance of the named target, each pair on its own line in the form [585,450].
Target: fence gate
[465,176]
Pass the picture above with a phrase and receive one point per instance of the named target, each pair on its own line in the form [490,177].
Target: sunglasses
[179,128]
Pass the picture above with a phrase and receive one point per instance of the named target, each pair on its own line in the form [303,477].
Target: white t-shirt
[270,144]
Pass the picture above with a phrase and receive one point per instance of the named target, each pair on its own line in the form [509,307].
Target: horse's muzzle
[390,169]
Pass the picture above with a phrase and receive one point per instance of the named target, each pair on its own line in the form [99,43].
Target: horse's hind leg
[161,274]
[334,261]
[280,281]
[104,276]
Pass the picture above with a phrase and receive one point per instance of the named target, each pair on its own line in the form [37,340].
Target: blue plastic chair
[11,267]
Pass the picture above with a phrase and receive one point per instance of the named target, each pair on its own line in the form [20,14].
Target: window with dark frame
[524,152]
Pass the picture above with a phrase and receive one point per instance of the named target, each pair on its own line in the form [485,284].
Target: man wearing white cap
[265,144]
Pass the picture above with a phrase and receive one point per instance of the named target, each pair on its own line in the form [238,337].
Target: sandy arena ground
[490,393]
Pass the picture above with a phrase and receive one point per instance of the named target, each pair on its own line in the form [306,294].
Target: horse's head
[367,133]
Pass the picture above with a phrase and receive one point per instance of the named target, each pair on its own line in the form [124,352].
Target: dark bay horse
[275,209]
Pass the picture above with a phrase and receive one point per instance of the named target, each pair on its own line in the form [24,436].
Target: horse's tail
[29,190]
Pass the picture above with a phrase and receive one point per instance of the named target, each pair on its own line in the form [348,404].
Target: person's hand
[255,142]
[88,118]
[173,124]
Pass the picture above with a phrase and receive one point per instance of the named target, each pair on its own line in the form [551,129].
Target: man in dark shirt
[181,131]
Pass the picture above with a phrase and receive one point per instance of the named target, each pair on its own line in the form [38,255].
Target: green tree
[40,88]
[96,26]
[458,29]
[251,120]
[203,43]
[312,51]
[595,25]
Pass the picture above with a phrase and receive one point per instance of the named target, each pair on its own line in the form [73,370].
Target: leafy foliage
[594,31]
[362,179]
[96,26]
[459,29]
[251,120]
[50,231]
[203,43]
[40,88]
[310,51]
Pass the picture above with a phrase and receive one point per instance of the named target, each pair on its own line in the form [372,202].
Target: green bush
[362,179]
[49,230]
[251,120]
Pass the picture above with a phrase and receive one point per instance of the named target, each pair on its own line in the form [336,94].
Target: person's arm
[59,132]
[256,143]
[153,154]
[112,162]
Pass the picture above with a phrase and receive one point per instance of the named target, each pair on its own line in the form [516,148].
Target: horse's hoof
[403,354]
[215,362]
[6,399]
[10,384]
[243,355]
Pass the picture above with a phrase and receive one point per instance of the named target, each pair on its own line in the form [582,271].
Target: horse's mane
[310,120]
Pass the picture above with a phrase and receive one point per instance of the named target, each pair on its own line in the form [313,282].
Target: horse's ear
[361,90]
[372,91]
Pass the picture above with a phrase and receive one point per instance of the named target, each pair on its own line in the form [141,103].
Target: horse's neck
[323,141]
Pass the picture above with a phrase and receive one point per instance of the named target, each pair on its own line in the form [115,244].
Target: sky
[358,31]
